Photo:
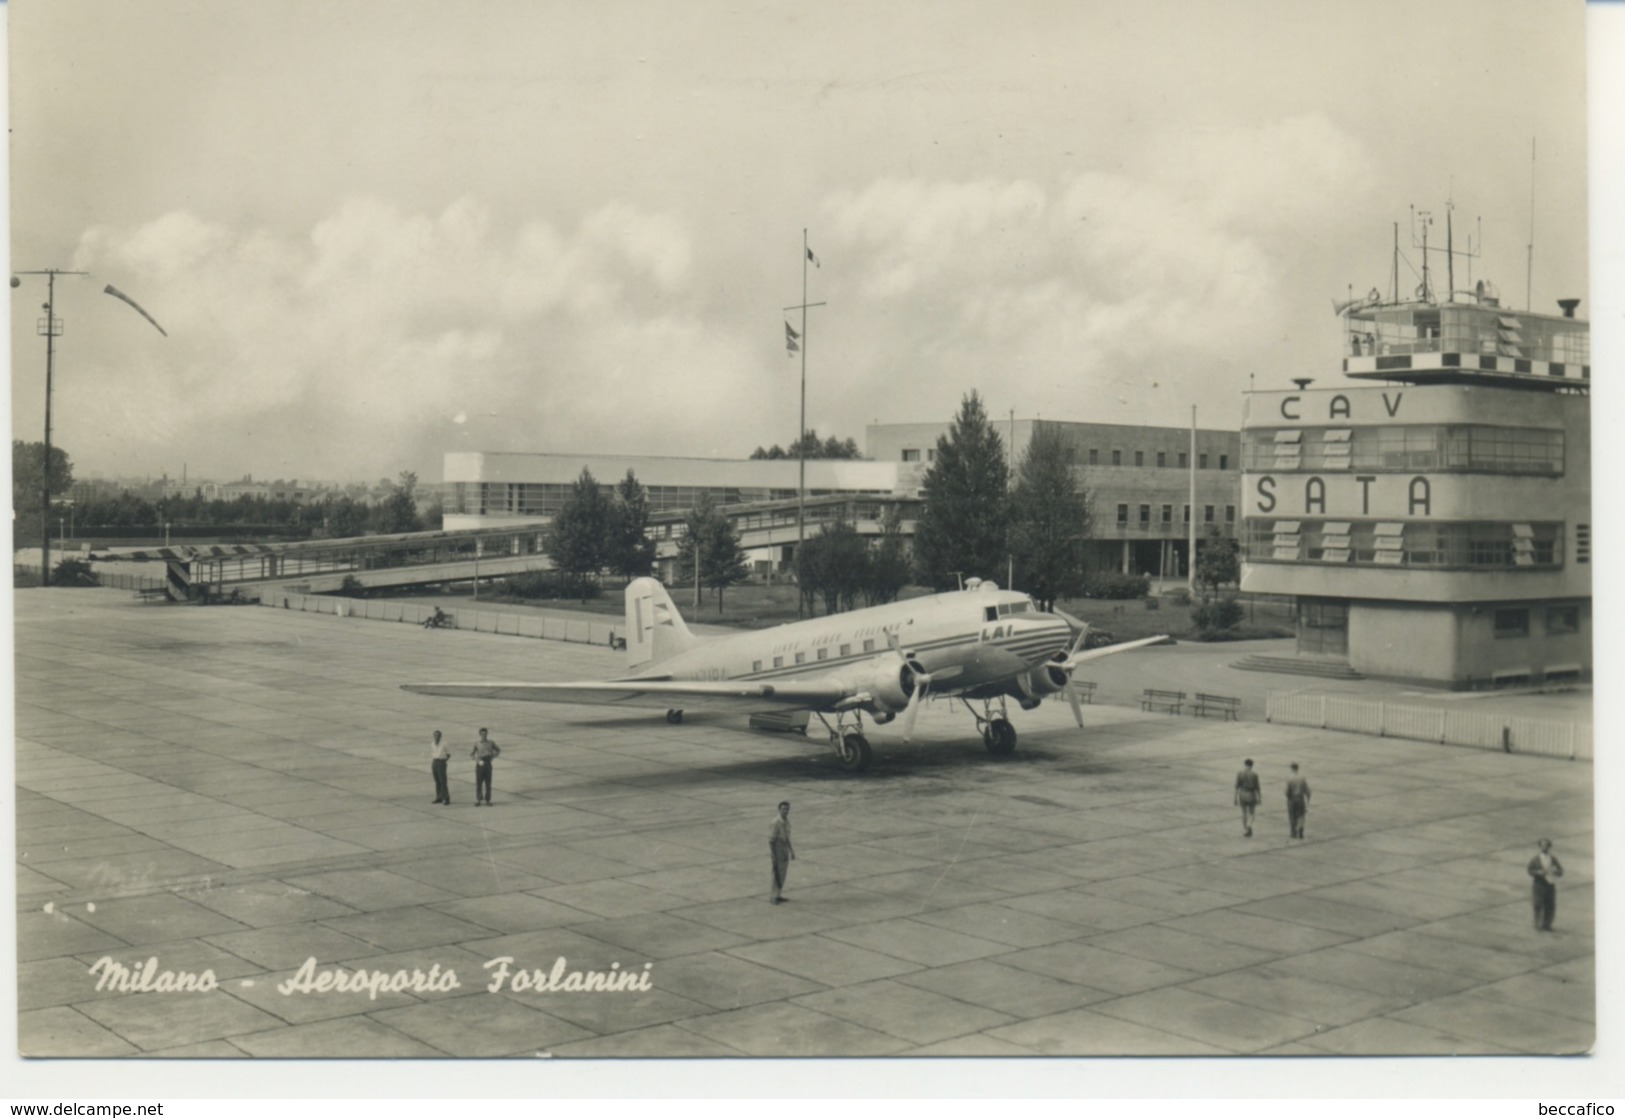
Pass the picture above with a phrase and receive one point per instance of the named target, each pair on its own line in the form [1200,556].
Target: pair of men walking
[484,752]
[1249,793]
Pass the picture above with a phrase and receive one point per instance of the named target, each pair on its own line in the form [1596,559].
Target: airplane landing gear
[998,735]
[674,717]
[846,738]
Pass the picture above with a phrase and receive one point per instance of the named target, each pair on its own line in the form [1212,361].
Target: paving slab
[908,1012]
[1091,895]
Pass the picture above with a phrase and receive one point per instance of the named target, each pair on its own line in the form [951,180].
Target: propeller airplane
[978,645]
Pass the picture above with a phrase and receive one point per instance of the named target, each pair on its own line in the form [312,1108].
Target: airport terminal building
[1432,514]
[1138,479]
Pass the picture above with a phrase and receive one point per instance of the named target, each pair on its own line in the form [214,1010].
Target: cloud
[350,348]
[380,337]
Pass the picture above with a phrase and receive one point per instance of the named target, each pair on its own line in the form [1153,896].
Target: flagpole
[801,433]
[791,338]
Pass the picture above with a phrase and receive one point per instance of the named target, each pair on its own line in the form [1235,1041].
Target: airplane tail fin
[654,629]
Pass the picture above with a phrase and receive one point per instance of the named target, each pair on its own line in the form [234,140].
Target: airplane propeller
[1080,630]
[921,680]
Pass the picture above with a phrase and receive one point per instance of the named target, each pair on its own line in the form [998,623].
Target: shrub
[74,572]
[352,587]
[1116,586]
[1217,616]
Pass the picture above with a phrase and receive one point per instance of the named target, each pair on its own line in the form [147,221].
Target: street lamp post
[51,327]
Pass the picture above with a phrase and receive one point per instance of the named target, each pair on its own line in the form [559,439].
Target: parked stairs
[1320,667]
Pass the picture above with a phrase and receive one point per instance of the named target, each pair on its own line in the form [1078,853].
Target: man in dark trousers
[439,757]
[778,844]
[1248,794]
[1297,801]
[484,752]
[1543,869]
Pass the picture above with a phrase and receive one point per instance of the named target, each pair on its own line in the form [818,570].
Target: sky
[378,233]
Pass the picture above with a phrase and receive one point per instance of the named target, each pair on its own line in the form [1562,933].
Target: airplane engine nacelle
[1041,682]
[890,683]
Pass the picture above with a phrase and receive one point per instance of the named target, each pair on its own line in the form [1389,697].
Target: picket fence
[1480,730]
[537,626]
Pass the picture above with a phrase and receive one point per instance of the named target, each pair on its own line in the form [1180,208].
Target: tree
[28,474]
[577,540]
[810,446]
[28,483]
[1049,520]
[631,552]
[726,561]
[1218,563]
[398,512]
[961,530]
[835,567]
[889,563]
[341,516]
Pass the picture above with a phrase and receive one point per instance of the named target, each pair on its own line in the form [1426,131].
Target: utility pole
[801,433]
[51,327]
[1190,566]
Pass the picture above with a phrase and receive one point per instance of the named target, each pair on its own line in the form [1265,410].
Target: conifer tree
[577,539]
[961,532]
[1049,520]
[631,551]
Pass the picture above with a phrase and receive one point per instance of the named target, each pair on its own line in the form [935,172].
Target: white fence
[1543,737]
[536,626]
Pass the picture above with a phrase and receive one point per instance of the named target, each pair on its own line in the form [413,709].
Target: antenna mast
[1529,264]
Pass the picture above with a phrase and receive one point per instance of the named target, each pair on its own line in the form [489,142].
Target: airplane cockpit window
[992,613]
[1006,608]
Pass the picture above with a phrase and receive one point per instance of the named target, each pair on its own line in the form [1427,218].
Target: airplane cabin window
[822,653]
[801,657]
[868,646]
[755,665]
[846,650]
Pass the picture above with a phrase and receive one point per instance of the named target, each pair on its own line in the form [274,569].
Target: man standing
[778,844]
[484,752]
[1297,801]
[1543,867]
[439,756]
[1247,795]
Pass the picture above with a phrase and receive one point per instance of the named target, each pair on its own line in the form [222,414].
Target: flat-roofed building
[484,489]
[1138,479]
[1432,514]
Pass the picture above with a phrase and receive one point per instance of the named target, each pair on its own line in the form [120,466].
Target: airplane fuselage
[964,638]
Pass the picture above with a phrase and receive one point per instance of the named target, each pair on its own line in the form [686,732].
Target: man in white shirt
[439,755]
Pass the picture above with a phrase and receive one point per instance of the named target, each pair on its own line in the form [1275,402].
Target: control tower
[1429,503]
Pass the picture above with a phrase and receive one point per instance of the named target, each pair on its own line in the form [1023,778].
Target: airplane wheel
[854,753]
[1000,737]
[674,716]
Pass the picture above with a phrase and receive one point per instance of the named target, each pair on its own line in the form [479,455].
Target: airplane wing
[1111,650]
[656,693]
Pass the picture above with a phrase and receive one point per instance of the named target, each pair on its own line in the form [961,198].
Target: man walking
[484,752]
[1297,801]
[778,844]
[1248,794]
[439,756]
[1543,867]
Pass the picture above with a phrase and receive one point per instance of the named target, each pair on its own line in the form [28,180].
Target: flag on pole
[790,337]
[814,258]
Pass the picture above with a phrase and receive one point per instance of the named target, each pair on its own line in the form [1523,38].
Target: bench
[152,594]
[1084,689]
[1170,701]
[1224,706]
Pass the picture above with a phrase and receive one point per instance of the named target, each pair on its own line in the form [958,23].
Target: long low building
[492,489]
